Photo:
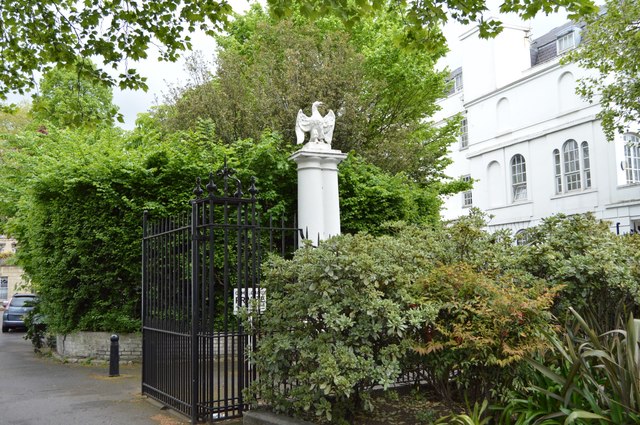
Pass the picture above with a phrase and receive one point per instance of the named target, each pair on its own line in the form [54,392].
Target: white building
[11,279]
[532,146]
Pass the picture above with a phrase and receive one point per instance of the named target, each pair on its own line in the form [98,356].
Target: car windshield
[22,302]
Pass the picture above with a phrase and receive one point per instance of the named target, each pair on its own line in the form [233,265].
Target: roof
[543,48]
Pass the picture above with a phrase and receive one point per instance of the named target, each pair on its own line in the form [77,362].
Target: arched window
[586,165]
[632,157]
[572,170]
[518,178]
[558,170]
[571,162]
[521,237]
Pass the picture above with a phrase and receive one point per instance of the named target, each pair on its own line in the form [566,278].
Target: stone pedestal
[318,202]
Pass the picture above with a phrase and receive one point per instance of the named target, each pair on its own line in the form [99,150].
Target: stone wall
[97,346]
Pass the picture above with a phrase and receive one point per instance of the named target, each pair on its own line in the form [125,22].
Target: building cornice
[530,136]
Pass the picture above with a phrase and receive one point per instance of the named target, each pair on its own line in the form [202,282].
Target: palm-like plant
[590,376]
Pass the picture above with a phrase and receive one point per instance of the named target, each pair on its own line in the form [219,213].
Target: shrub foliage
[340,319]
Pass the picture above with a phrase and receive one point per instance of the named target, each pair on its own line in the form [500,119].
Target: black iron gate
[198,270]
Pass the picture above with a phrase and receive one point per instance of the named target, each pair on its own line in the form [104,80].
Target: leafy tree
[419,16]
[266,71]
[610,47]
[69,99]
[370,197]
[37,34]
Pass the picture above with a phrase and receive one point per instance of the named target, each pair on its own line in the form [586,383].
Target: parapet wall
[97,346]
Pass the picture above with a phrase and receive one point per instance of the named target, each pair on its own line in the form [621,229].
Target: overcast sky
[160,75]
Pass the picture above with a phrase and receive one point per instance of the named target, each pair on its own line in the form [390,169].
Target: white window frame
[632,158]
[464,133]
[586,165]
[566,42]
[557,166]
[467,195]
[456,85]
[572,167]
[457,81]
[518,178]
[521,237]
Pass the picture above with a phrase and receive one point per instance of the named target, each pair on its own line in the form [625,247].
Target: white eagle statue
[320,128]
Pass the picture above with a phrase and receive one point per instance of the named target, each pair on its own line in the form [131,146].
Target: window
[464,133]
[4,287]
[467,196]
[632,157]
[571,158]
[558,170]
[586,165]
[456,81]
[572,171]
[566,42]
[518,178]
[521,237]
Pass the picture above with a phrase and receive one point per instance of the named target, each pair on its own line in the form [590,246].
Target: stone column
[318,202]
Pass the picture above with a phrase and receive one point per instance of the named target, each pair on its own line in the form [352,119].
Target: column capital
[323,156]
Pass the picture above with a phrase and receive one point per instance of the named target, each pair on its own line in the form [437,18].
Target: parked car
[13,316]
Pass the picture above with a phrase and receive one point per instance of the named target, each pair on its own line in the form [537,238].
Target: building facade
[531,145]
[11,279]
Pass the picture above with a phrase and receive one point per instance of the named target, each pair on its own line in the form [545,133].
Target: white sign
[246,297]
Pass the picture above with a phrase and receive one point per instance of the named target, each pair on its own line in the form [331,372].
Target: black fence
[198,271]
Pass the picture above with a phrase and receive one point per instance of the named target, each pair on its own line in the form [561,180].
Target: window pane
[467,197]
[519,177]
[464,133]
[566,42]
[459,82]
[558,170]
[586,165]
[632,158]
[571,165]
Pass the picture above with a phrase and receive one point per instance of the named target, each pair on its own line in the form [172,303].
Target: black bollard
[114,356]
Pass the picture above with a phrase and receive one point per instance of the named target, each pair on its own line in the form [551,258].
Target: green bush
[596,268]
[340,319]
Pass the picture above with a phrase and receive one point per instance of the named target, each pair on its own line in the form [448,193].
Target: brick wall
[97,346]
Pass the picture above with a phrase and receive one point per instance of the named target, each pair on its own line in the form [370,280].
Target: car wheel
[5,329]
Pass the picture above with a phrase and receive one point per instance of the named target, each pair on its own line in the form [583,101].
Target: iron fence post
[195,267]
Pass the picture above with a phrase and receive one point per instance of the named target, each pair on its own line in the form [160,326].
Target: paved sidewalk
[40,390]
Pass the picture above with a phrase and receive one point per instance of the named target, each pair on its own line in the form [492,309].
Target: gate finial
[253,190]
[211,186]
[198,190]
